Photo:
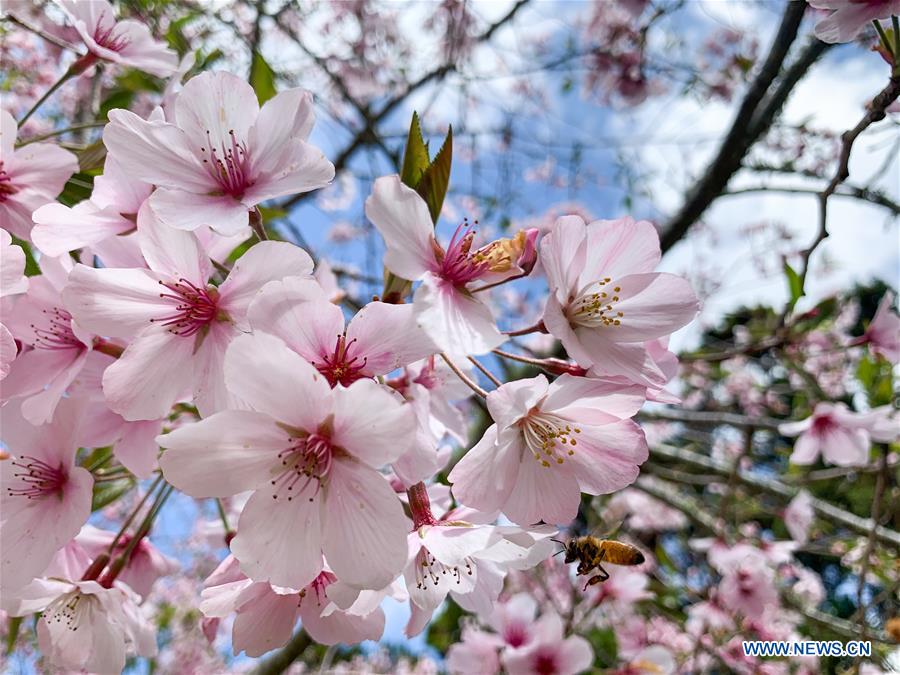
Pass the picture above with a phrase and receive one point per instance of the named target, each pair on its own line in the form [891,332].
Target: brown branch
[754,116]
[367,135]
[823,509]
[705,418]
[880,483]
[281,660]
[850,191]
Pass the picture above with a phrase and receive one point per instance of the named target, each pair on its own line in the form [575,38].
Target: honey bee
[590,552]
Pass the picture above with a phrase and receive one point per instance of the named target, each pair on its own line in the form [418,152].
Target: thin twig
[487,373]
[470,383]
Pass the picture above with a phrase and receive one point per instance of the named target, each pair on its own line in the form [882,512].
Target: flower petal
[388,337]
[608,457]
[185,210]
[548,493]
[485,476]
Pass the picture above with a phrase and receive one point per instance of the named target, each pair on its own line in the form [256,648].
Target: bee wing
[603,532]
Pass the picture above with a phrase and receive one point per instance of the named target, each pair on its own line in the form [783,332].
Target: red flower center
[340,367]
[108,37]
[229,165]
[56,332]
[457,264]
[305,460]
[37,479]
[6,187]
[194,307]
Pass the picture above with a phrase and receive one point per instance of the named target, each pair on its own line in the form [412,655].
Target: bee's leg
[601,576]
[584,567]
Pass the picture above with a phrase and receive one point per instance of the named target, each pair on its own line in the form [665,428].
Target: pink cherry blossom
[605,300]
[514,620]
[883,334]
[179,324]
[643,512]
[749,588]
[30,176]
[622,590]
[445,306]
[379,339]
[126,43]
[549,443]
[45,498]
[145,565]
[799,515]
[310,453]
[12,282]
[85,626]
[60,349]
[850,17]
[833,431]
[111,211]
[549,652]
[222,155]
[477,652]
[265,614]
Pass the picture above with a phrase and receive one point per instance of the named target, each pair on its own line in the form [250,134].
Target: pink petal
[117,190]
[280,541]
[388,337]
[371,424]
[223,455]
[559,327]
[8,351]
[608,457]
[59,229]
[512,401]
[155,152]
[563,255]
[616,248]
[289,114]
[12,267]
[481,597]
[593,401]
[456,321]
[614,359]
[34,529]
[171,252]
[451,545]
[543,493]
[211,393]
[653,305]
[309,329]
[185,210]
[136,448]
[8,133]
[266,261]
[366,542]
[269,377]
[485,476]
[212,107]
[298,167]
[153,373]
[806,449]
[846,447]
[114,302]
[265,620]
[402,218]
[40,407]
[42,167]
[340,627]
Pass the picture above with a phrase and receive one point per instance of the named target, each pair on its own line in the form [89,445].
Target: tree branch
[753,118]
[283,658]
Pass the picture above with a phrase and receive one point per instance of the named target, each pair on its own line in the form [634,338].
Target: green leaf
[432,187]
[107,492]
[31,266]
[12,629]
[415,159]
[795,284]
[77,189]
[262,78]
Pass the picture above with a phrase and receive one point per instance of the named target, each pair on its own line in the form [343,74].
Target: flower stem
[469,382]
[143,529]
[487,373]
[539,327]
[256,224]
[65,77]
[552,365]
[133,514]
[420,505]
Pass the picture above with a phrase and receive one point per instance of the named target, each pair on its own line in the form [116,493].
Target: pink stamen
[57,332]
[38,479]
[108,39]
[459,265]
[7,189]
[308,459]
[228,165]
[196,307]
[339,367]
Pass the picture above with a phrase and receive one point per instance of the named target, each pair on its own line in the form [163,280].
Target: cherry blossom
[549,651]
[30,176]
[550,442]
[883,334]
[126,43]
[310,453]
[222,155]
[850,17]
[379,339]
[476,652]
[799,515]
[179,324]
[265,614]
[833,431]
[748,588]
[12,282]
[445,306]
[605,300]
[45,498]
